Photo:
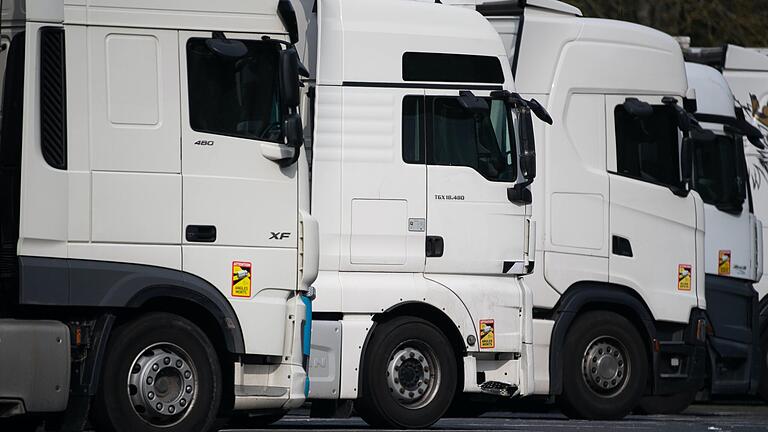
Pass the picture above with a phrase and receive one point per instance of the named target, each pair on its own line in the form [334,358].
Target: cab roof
[365,40]
[597,55]
[713,95]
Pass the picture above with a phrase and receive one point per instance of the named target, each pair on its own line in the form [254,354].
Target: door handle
[201,233]
[435,246]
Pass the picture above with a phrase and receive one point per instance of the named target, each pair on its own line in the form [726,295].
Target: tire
[161,373]
[762,388]
[612,388]
[669,404]
[409,375]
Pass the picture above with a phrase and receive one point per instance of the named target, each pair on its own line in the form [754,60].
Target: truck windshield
[235,96]
[718,167]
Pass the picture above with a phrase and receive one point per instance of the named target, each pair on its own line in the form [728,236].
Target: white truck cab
[422,155]
[746,72]
[618,286]
[156,252]
[733,245]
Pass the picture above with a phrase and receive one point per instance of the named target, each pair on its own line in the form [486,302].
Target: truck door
[653,222]
[239,206]
[472,227]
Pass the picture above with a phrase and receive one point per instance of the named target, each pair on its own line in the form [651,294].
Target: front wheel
[409,375]
[762,388]
[160,373]
[605,367]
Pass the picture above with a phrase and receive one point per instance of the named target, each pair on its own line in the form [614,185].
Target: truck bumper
[679,356]
[34,367]
[733,348]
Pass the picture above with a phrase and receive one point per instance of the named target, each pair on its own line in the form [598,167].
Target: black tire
[149,342]
[666,405]
[425,363]
[615,386]
[762,388]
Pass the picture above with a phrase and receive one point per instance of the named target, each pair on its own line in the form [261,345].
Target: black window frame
[618,112]
[281,110]
[425,107]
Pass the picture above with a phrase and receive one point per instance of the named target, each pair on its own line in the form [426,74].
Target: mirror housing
[686,168]
[227,48]
[289,77]
[540,111]
[473,104]
[637,108]
[527,146]
[294,131]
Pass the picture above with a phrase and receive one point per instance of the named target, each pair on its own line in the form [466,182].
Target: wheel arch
[583,297]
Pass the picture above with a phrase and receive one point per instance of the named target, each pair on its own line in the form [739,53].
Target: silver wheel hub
[411,376]
[162,384]
[604,366]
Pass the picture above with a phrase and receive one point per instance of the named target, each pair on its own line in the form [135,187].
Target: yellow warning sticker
[241,279]
[684,277]
[724,263]
[487,334]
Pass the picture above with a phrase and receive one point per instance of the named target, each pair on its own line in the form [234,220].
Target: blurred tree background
[707,22]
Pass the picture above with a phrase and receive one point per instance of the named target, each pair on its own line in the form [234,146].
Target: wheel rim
[413,374]
[162,384]
[605,366]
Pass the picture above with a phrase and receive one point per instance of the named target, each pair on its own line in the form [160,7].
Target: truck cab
[619,276]
[156,253]
[733,250]
[746,72]
[422,158]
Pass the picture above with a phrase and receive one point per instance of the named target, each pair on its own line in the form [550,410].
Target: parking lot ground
[708,417]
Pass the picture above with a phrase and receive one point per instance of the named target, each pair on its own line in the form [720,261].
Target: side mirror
[637,108]
[289,77]
[473,104]
[294,131]
[228,48]
[527,146]
[540,111]
[686,167]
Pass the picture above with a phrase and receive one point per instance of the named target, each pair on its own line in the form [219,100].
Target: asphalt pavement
[729,417]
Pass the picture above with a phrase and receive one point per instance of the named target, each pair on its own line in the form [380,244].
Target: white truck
[422,154]
[156,251]
[733,244]
[747,74]
[618,290]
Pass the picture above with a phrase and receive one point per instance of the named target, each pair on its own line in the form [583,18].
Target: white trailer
[422,158]
[156,248]
[618,289]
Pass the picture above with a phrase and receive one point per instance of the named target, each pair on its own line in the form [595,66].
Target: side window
[460,138]
[648,149]
[413,129]
[235,96]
